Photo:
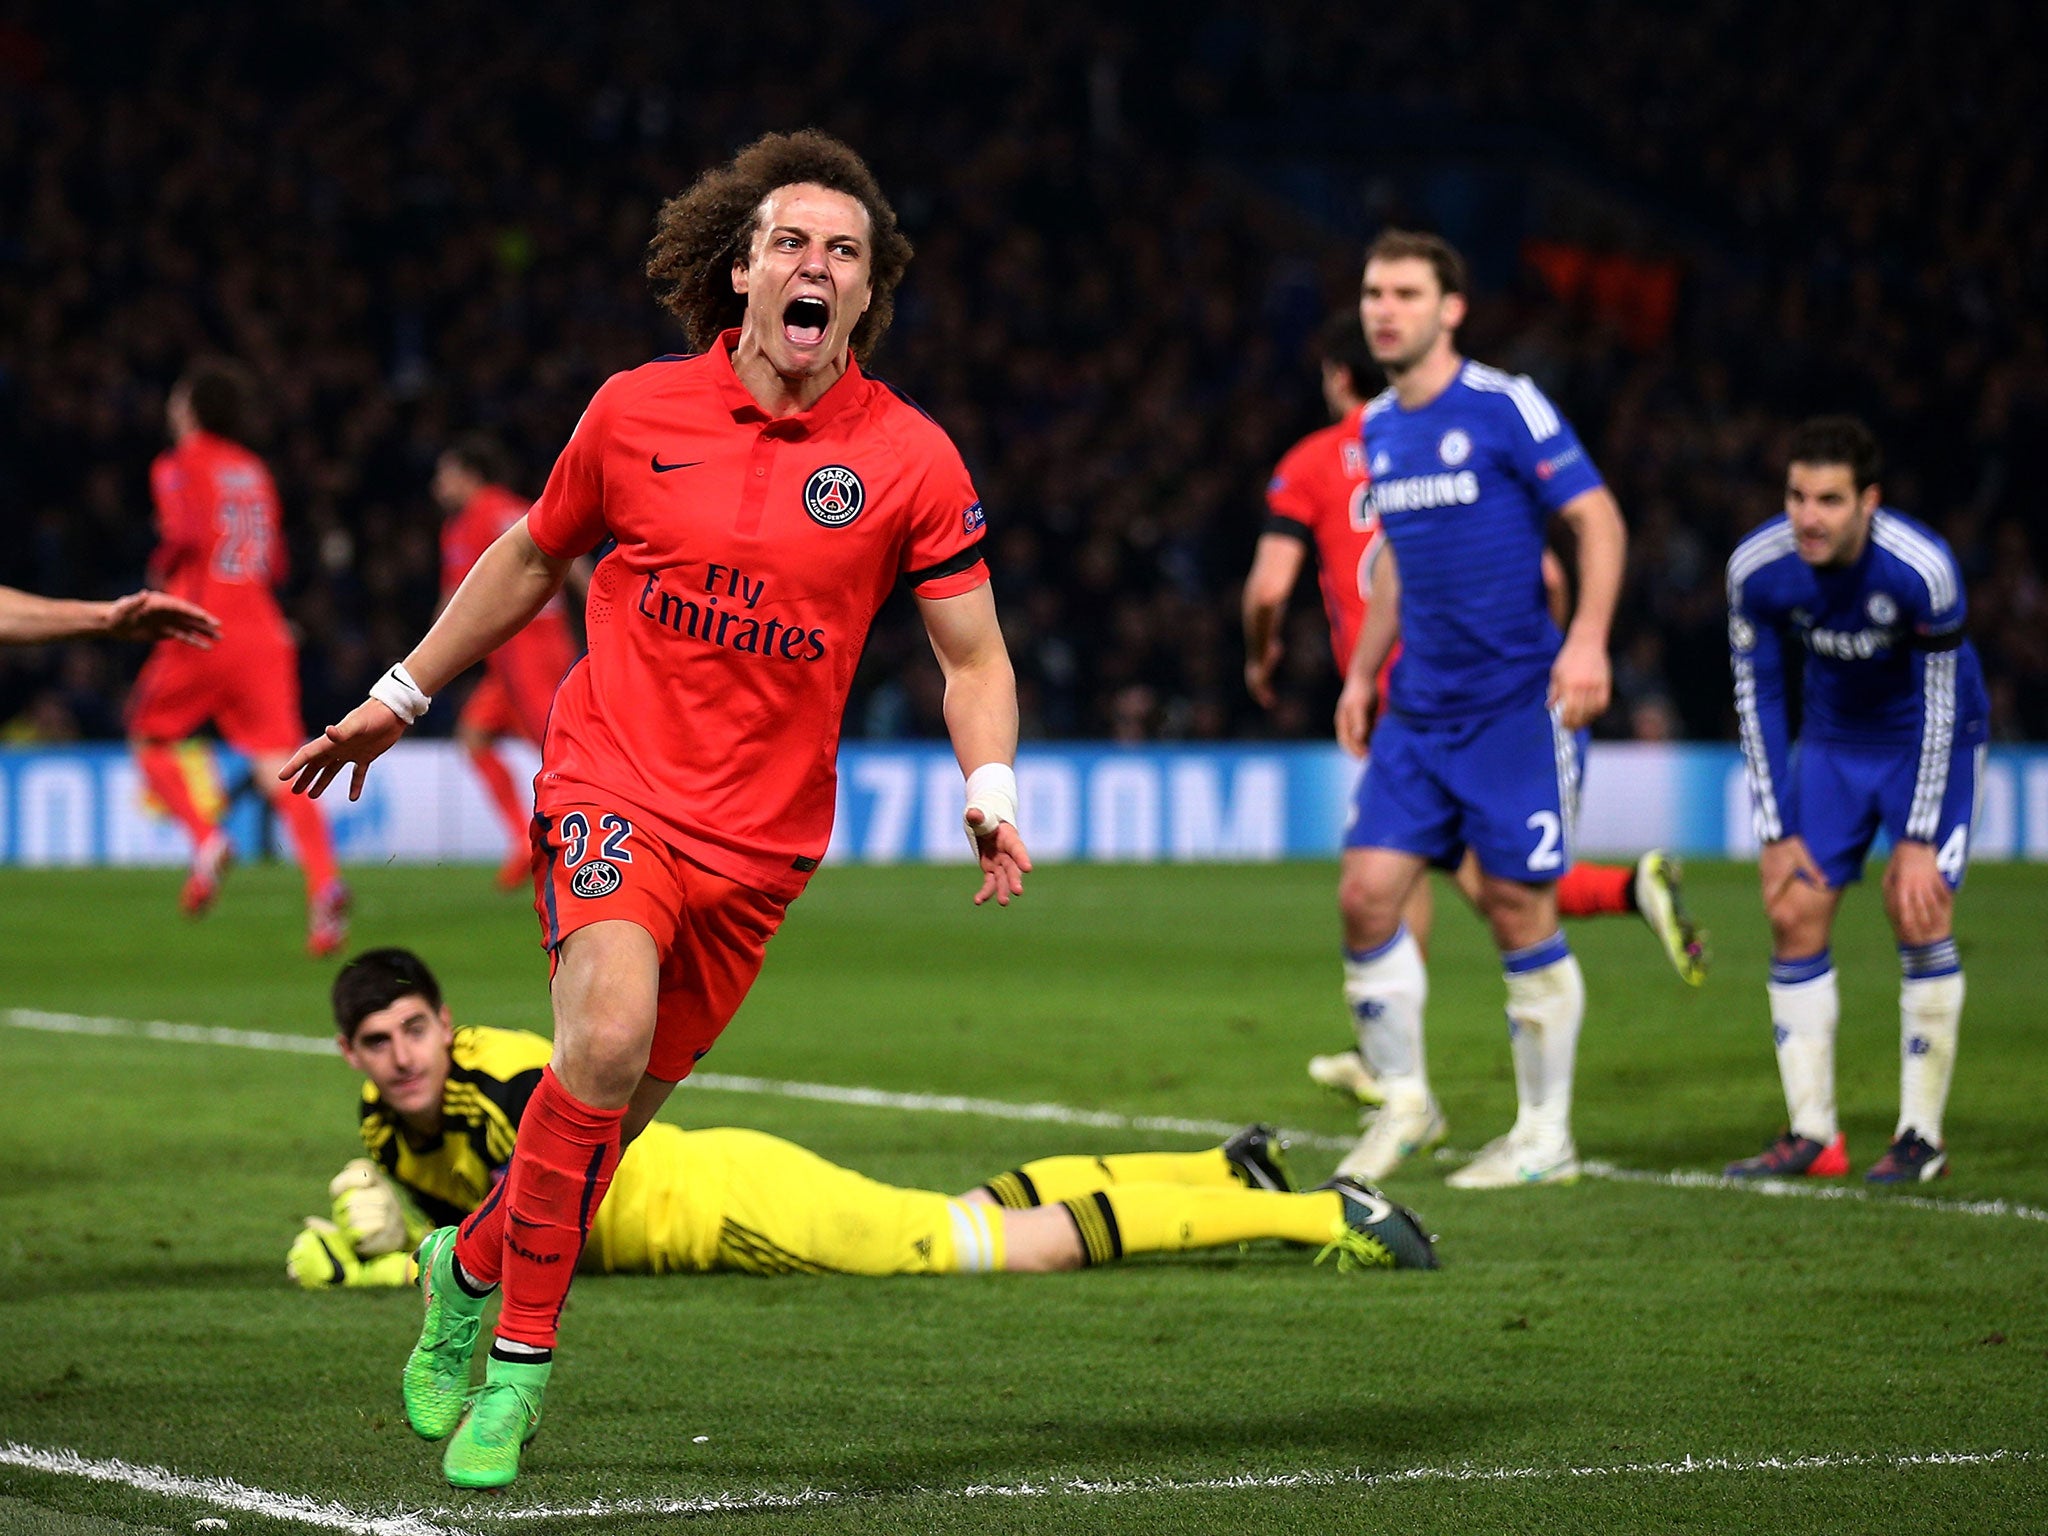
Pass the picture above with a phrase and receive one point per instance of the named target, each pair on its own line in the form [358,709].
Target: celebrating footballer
[764,496]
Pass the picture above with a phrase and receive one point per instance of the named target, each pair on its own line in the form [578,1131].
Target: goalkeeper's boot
[1793,1156]
[1660,898]
[1258,1156]
[1376,1233]
[1345,1072]
[1397,1129]
[437,1371]
[1912,1159]
[327,919]
[505,1415]
[210,862]
[1524,1156]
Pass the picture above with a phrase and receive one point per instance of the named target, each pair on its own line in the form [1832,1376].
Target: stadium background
[412,220]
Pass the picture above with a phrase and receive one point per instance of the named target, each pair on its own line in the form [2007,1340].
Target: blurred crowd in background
[412,220]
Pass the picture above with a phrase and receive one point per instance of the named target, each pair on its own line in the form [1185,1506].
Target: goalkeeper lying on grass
[441,1106]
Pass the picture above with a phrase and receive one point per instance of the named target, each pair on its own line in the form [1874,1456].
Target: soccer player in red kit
[765,496]
[520,676]
[220,547]
[1316,500]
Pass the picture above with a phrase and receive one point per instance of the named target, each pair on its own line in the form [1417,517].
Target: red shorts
[248,689]
[593,864]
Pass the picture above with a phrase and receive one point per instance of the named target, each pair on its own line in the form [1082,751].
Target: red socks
[166,780]
[530,1231]
[1596,890]
[308,829]
[498,782]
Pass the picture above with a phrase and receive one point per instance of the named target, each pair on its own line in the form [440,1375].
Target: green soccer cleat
[1660,899]
[436,1376]
[1375,1233]
[506,1414]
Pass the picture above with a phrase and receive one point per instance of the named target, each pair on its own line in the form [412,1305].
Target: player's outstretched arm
[507,586]
[26,619]
[1375,640]
[1276,565]
[1582,679]
[981,717]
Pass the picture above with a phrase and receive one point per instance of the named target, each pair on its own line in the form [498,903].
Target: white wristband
[397,692]
[991,790]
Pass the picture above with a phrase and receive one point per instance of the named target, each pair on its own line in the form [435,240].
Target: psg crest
[598,877]
[833,496]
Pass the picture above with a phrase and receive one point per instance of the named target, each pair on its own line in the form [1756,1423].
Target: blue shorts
[1842,795]
[1505,786]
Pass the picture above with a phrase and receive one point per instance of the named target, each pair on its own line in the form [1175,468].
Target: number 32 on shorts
[599,875]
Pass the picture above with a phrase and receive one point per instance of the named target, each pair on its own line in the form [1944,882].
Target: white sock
[1546,1005]
[1385,989]
[1805,1006]
[1930,1017]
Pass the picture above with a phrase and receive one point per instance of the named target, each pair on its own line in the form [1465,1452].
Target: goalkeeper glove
[320,1256]
[367,1209]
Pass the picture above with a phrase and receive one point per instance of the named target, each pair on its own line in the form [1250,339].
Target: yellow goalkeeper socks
[1056,1180]
[1174,1218]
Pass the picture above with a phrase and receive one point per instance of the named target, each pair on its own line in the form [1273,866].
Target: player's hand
[148,615]
[1581,683]
[320,1256]
[1916,893]
[1258,674]
[1354,715]
[1004,860]
[367,1209]
[1781,863]
[365,734]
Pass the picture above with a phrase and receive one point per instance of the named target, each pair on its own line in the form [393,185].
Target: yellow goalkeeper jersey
[687,1201]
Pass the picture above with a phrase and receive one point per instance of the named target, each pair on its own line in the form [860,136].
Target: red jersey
[220,540]
[752,554]
[465,537]
[1317,494]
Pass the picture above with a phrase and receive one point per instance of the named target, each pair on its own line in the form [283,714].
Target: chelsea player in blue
[1893,738]
[1478,748]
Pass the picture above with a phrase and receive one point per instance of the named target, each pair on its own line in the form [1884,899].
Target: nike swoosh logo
[662,469]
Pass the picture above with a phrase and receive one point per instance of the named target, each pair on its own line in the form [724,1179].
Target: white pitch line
[159,1029]
[221,1493]
[993,1109]
[1048,1114]
[1075,1487]
[224,1493]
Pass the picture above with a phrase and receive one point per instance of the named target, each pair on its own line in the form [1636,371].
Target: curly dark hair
[701,233]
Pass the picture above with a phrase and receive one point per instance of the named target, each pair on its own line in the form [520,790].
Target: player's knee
[1518,915]
[1040,1241]
[1798,925]
[1370,912]
[1915,929]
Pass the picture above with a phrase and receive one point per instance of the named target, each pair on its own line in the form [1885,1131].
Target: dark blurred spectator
[1694,227]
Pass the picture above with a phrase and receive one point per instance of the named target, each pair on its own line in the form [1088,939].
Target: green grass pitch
[1815,1359]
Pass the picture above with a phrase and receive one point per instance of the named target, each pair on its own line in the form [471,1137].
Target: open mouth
[804,321]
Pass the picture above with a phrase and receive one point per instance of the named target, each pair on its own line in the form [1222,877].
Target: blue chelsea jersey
[1885,665]
[1464,487]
